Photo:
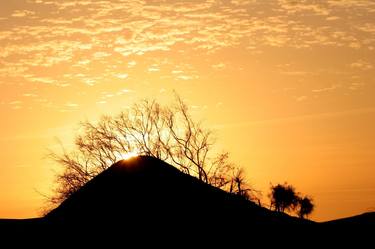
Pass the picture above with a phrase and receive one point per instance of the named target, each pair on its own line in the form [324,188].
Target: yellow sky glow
[288,87]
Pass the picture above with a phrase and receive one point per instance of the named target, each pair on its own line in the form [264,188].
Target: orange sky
[287,86]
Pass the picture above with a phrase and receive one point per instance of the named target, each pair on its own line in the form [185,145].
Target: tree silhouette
[305,207]
[147,128]
[283,197]
[239,186]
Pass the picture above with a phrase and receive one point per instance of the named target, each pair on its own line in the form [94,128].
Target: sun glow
[129,155]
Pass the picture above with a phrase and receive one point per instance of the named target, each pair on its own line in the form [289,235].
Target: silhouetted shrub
[283,197]
[305,207]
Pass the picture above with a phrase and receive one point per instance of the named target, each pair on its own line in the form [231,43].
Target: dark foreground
[147,198]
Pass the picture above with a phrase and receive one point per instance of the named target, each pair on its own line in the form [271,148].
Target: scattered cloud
[299,118]
[100,55]
[30,95]
[332,18]
[356,86]
[364,4]
[186,77]
[16,102]
[218,66]
[126,90]
[301,98]
[295,73]
[131,64]
[129,28]
[362,65]
[65,43]
[43,80]
[72,105]
[314,7]
[153,69]
[326,89]
[122,75]
[22,13]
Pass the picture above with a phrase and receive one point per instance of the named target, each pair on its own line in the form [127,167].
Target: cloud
[129,28]
[100,55]
[125,90]
[16,102]
[301,98]
[122,76]
[153,69]
[315,7]
[22,13]
[132,64]
[367,27]
[177,71]
[30,95]
[362,65]
[355,86]
[72,105]
[107,96]
[218,66]
[43,80]
[65,43]
[326,89]
[295,73]
[332,18]
[300,118]
[352,4]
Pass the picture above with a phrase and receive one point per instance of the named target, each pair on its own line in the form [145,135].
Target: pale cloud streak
[326,89]
[361,65]
[22,13]
[299,118]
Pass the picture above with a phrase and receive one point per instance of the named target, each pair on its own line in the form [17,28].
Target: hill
[365,219]
[145,199]
[146,190]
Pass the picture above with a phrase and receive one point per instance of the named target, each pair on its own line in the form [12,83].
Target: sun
[129,155]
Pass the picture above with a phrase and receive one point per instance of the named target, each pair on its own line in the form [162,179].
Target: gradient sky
[287,85]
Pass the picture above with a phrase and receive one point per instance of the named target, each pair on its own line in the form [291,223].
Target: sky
[286,85]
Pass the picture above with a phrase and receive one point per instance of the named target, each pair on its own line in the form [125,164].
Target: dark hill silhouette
[144,199]
[365,219]
[147,191]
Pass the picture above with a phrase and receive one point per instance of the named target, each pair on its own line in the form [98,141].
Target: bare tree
[147,128]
